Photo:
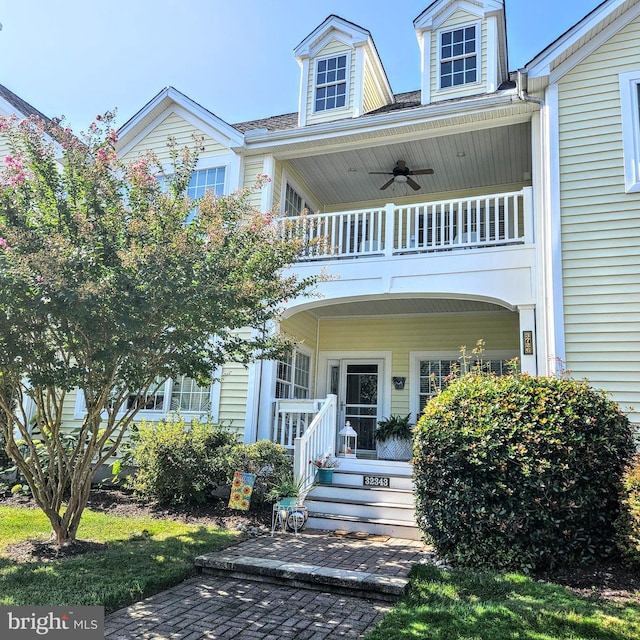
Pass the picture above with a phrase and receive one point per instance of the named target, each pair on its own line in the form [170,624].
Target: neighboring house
[12,105]
[524,234]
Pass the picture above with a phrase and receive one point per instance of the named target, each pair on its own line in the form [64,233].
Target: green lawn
[143,557]
[468,605]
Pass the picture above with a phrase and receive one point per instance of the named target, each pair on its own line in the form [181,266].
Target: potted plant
[394,437]
[324,468]
[285,492]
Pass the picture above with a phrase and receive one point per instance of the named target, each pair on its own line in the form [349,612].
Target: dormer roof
[341,73]
[463,44]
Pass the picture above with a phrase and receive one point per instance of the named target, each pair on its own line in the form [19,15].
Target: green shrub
[178,463]
[628,524]
[268,460]
[520,472]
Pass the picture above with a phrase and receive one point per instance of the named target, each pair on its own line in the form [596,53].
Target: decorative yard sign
[241,490]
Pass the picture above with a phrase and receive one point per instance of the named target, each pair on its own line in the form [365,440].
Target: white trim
[433,16]
[332,25]
[357,104]
[303,106]
[593,43]
[492,80]
[552,126]
[424,40]
[542,64]
[630,106]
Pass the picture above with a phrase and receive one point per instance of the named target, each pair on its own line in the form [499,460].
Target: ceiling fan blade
[421,172]
[413,184]
[380,173]
[387,184]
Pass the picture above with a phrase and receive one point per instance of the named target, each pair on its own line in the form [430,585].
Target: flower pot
[325,476]
[285,503]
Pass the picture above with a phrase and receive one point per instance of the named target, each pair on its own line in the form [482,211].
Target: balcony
[495,220]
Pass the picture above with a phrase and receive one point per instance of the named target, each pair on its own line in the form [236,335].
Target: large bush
[628,524]
[520,472]
[178,463]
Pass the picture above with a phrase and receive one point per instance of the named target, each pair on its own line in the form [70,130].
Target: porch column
[528,355]
[265,388]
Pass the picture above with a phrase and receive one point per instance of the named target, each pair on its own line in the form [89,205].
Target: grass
[143,556]
[468,605]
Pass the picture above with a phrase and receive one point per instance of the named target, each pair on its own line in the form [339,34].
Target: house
[490,203]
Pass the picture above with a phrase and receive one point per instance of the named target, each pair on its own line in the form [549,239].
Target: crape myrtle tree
[111,282]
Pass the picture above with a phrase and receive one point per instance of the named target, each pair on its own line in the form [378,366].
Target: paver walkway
[220,607]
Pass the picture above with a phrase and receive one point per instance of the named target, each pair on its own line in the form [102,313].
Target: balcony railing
[445,225]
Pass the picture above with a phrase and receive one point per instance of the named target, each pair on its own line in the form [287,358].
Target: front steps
[348,505]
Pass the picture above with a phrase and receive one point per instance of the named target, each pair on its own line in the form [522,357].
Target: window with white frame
[201,181]
[434,373]
[182,395]
[458,56]
[630,107]
[331,83]
[293,376]
[294,203]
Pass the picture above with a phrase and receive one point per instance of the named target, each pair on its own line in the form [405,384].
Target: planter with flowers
[325,466]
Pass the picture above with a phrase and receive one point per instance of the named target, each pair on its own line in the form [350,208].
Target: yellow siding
[402,335]
[458,19]
[181,130]
[334,47]
[601,253]
[252,168]
[233,396]
[371,99]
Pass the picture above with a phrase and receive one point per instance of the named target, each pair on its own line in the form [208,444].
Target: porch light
[347,442]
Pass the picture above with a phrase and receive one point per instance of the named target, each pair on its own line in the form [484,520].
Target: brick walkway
[207,607]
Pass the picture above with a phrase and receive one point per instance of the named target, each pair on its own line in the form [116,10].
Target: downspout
[522,84]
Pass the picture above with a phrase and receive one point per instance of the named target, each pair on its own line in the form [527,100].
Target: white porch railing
[444,225]
[291,419]
[317,440]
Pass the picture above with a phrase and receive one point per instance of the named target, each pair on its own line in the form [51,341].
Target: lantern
[347,442]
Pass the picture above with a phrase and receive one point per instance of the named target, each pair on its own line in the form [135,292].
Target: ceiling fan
[402,173]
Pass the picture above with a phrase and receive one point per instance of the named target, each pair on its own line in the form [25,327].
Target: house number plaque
[375,481]
[527,343]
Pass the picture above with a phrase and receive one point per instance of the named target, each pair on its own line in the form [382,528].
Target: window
[432,374]
[183,395]
[294,204]
[293,377]
[201,181]
[206,179]
[458,57]
[331,83]
[630,105]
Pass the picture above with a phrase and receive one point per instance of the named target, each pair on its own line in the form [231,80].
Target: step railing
[462,223]
[317,440]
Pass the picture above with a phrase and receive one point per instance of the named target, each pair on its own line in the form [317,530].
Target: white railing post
[389,228]
[527,213]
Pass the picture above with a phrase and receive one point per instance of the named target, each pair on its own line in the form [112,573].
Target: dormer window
[458,57]
[331,83]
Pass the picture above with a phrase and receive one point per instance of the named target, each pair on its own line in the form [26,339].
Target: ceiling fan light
[400,178]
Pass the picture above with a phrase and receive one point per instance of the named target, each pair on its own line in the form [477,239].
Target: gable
[175,126]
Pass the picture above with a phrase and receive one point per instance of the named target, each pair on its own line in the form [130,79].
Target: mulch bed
[613,581]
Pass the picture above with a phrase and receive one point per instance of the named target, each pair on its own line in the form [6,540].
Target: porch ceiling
[403,307]
[471,160]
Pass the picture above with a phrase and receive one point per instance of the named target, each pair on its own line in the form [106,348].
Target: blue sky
[235,57]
